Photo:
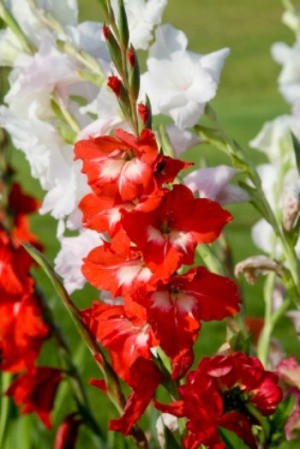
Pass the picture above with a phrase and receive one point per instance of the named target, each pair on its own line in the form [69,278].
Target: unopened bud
[131,57]
[115,84]
[145,113]
[106,32]
[255,266]
[133,73]
[113,48]
[290,208]
[117,87]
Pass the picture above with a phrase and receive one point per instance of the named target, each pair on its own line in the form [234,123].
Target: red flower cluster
[217,395]
[151,228]
[22,329]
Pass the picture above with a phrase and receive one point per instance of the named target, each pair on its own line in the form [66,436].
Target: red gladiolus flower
[176,308]
[101,213]
[20,206]
[22,333]
[167,168]
[35,392]
[168,235]
[120,274]
[119,166]
[125,333]
[217,394]
[145,378]
[14,270]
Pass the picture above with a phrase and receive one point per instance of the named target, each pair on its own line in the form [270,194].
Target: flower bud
[105,32]
[117,87]
[113,48]
[131,57]
[290,208]
[67,432]
[133,73]
[255,266]
[115,84]
[145,113]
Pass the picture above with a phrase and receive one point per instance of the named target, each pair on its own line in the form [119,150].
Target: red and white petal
[116,273]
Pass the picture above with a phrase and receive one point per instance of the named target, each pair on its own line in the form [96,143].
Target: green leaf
[256,200]
[165,141]
[278,420]
[123,24]
[292,444]
[231,440]
[296,145]
[282,413]
[47,268]
[171,442]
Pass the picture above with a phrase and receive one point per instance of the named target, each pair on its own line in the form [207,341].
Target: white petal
[68,261]
[181,140]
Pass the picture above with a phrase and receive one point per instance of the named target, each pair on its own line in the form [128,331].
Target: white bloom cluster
[280,177]
[179,82]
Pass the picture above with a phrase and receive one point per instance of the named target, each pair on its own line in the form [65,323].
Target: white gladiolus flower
[263,237]
[275,141]
[180,82]
[68,261]
[106,108]
[289,78]
[275,181]
[88,36]
[64,12]
[36,138]
[213,183]
[142,16]
[181,140]
[35,78]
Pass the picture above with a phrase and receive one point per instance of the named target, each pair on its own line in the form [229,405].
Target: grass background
[247,97]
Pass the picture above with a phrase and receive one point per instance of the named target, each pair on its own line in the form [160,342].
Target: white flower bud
[290,208]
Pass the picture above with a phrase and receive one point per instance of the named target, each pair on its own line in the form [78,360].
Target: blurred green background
[247,97]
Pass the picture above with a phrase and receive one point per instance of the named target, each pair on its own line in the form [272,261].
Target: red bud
[115,84]
[67,432]
[144,112]
[131,57]
[106,32]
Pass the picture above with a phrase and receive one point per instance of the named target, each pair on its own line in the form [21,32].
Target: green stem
[5,406]
[123,72]
[219,138]
[265,337]
[72,371]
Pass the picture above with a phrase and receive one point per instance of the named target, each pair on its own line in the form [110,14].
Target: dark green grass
[247,97]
